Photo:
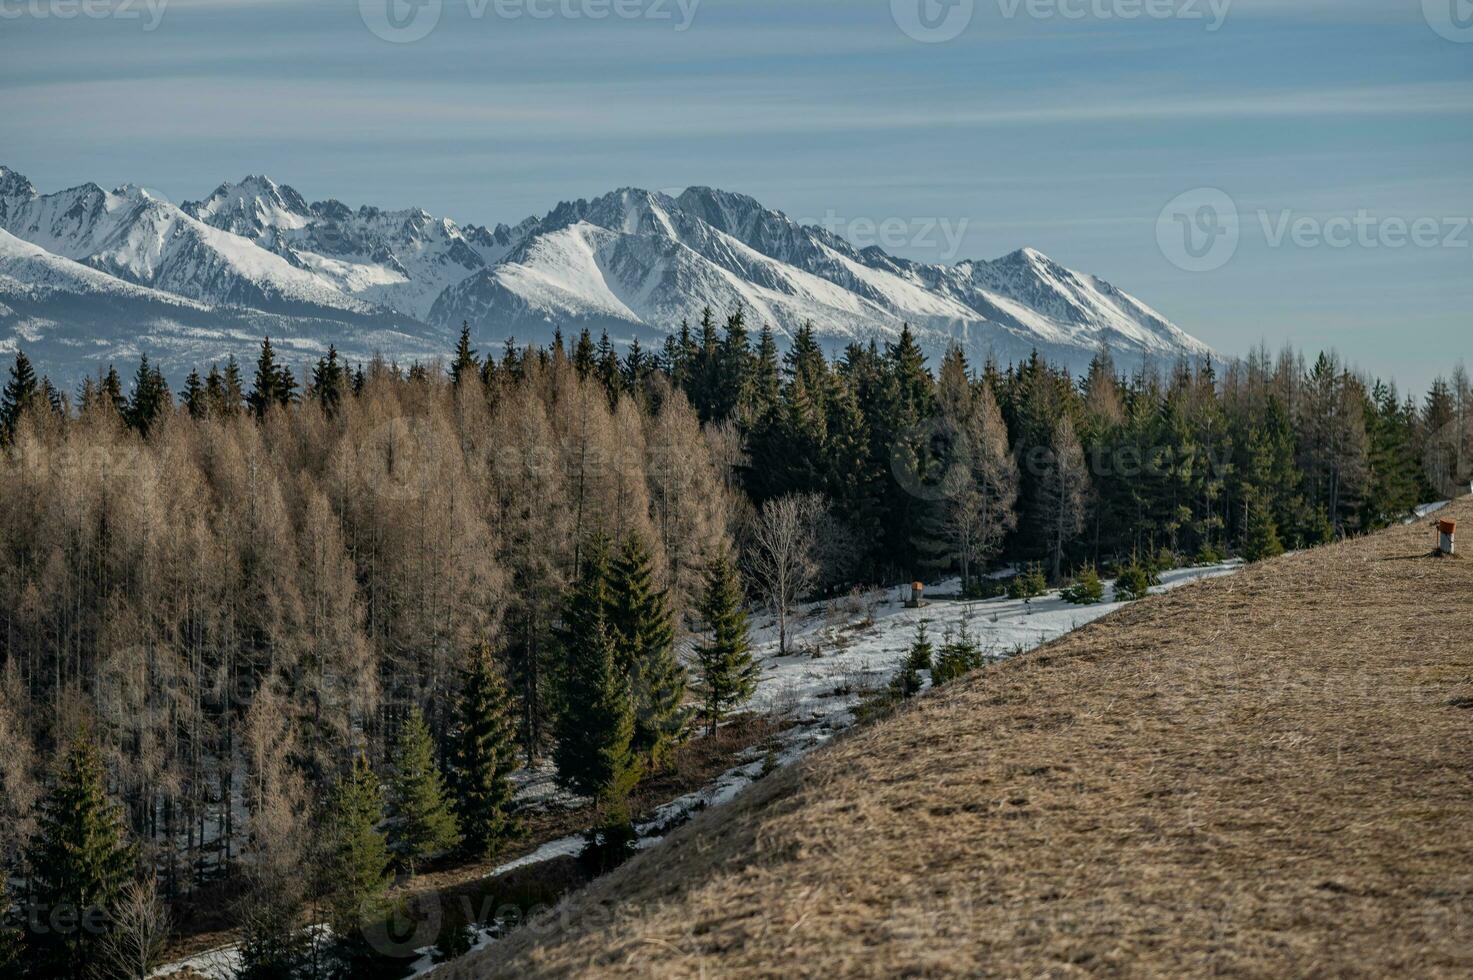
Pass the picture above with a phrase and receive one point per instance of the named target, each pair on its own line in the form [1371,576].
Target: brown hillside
[1268,775]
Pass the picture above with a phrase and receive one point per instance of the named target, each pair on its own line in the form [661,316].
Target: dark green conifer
[909,681]
[584,358]
[196,400]
[485,757]
[355,861]
[329,382]
[727,672]
[644,630]
[20,393]
[466,362]
[1261,541]
[421,821]
[1087,589]
[150,398]
[78,862]
[112,391]
[274,384]
[595,729]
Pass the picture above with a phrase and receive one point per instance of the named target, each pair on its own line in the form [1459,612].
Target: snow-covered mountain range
[89,276]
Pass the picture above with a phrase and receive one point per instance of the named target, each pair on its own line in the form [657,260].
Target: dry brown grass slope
[1268,775]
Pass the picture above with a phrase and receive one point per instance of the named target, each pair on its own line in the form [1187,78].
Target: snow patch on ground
[838,652]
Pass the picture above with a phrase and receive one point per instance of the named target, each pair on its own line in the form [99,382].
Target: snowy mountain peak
[1026,255]
[722,209]
[136,193]
[251,206]
[14,184]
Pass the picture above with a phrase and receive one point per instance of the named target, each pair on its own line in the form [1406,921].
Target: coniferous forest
[273,638]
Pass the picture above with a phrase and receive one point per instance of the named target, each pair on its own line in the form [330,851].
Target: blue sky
[1030,126]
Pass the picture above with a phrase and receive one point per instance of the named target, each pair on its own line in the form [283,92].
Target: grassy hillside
[1270,774]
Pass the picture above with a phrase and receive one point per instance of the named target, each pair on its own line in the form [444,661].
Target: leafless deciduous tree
[139,931]
[781,553]
[979,511]
[1065,489]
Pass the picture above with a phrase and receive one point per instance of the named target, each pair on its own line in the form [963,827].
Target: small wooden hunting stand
[917,598]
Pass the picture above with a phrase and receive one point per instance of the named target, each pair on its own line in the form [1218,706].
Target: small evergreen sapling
[1262,540]
[908,682]
[1087,590]
[1030,584]
[1133,582]
[960,655]
[421,822]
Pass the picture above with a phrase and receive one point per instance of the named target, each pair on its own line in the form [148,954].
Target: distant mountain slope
[135,236]
[397,259]
[633,262]
[73,320]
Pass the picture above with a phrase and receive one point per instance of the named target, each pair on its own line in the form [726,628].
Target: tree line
[229,614]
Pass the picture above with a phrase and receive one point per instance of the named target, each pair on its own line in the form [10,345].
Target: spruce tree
[734,371]
[959,656]
[609,371]
[112,391]
[421,821]
[1261,541]
[637,368]
[1087,589]
[1133,582]
[329,382]
[644,631]
[267,391]
[584,358]
[511,359]
[78,862]
[20,393]
[766,379]
[909,682]
[224,393]
[355,861]
[195,395]
[727,672]
[150,398]
[595,729]
[1029,585]
[466,362]
[485,757]
[51,397]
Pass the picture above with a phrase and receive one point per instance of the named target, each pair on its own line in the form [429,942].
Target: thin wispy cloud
[1067,135]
